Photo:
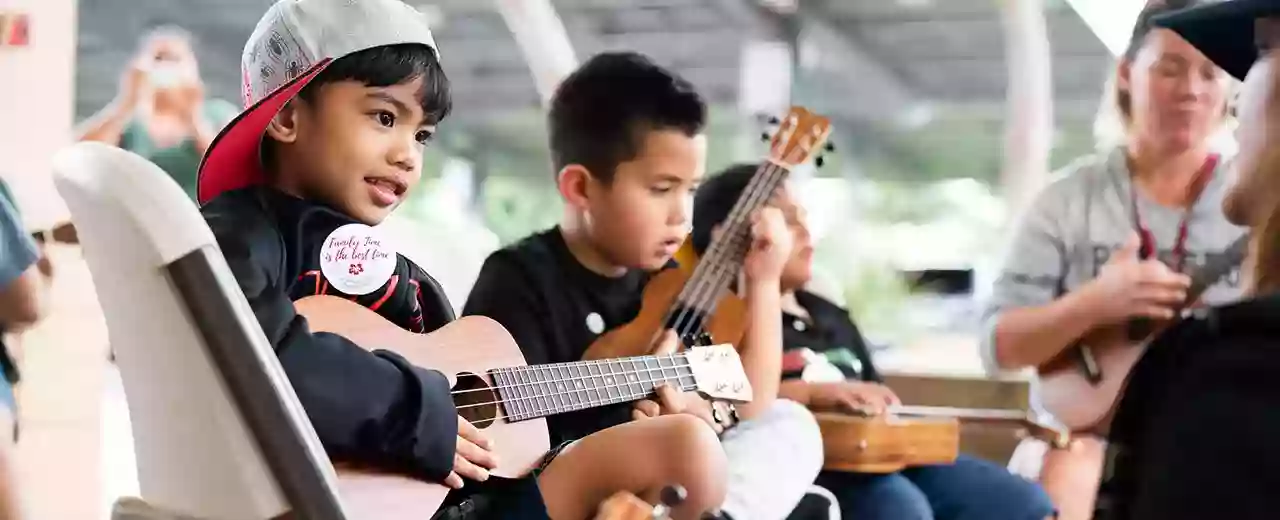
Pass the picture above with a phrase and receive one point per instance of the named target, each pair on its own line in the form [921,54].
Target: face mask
[167,75]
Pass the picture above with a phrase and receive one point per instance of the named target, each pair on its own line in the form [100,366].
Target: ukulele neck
[530,392]
[720,264]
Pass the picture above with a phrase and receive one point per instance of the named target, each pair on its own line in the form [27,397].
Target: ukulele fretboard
[529,392]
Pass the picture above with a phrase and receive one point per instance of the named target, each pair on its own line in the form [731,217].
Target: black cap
[1223,31]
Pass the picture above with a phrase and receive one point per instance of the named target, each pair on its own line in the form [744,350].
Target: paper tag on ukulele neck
[357,259]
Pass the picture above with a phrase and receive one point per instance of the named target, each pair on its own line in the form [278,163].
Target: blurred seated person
[827,366]
[24,285]
[161,112]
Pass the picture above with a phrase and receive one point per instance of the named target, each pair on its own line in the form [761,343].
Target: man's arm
[374,408]
[23,285]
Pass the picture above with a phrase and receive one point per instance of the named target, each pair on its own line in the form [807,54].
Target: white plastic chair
[218,430]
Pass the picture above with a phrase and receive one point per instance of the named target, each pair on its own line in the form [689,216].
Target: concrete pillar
[1029,125]
[543,40]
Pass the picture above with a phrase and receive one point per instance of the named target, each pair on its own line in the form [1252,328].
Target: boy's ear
[572,182]
[284,126]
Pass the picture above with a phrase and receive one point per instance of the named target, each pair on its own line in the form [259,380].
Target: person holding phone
[161,111]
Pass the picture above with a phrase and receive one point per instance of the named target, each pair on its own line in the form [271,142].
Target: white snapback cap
[292,43]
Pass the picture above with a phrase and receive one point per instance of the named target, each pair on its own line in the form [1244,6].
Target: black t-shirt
[555,308]
[828,332]
[1194,433]
[373,408]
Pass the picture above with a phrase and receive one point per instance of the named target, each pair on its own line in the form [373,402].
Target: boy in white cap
[342,98]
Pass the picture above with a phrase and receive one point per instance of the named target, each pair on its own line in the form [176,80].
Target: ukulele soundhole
[690,325]
[476,400]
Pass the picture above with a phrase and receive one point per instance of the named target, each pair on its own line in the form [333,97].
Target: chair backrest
[218,430]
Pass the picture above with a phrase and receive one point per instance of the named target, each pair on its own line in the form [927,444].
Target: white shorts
[773,460]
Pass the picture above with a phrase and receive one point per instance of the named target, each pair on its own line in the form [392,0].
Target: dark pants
[970,489]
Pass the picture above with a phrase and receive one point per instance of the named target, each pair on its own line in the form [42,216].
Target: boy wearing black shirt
[343,97]
[625,140]
[823,344]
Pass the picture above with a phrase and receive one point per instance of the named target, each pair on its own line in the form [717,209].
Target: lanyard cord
[1194,190]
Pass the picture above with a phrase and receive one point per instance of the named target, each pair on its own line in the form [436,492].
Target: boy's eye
[423,136]
[385,118]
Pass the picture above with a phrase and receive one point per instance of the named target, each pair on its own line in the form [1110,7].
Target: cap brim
[233,160]
[1223,32]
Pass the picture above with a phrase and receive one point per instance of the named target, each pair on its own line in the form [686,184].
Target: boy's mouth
[385,191]
[671,245]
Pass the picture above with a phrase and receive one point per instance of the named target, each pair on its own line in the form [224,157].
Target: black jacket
[373,408]
[1195,433]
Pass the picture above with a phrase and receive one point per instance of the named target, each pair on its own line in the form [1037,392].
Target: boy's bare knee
[693,458]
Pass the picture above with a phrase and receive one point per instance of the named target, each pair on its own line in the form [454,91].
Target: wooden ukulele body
[1086,406]
[907,436]
[469,345]
[1077,402]
[886,444]
[726,325]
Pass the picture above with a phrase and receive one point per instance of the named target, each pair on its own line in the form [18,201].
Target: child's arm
[761,347]
[375,408]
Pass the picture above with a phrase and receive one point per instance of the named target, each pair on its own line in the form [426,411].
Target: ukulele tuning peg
[767,119]
[830,146]
[819,161]
[764,137]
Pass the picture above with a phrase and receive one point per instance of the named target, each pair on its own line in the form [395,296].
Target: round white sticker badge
[357,259]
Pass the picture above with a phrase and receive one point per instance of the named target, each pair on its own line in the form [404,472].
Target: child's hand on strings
[771,242]
[671,400]
[472,458]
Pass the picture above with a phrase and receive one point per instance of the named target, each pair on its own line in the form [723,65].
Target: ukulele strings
[704,292]
[694,293]
[705,289]
[504,401]
[677,357]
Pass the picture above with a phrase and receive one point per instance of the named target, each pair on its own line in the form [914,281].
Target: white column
[1029,125]
[37,98]
[543,40]
[64,358]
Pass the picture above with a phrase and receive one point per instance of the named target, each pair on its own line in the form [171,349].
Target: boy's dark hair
[383,67]
[715,199]
[600,113]
[392,65]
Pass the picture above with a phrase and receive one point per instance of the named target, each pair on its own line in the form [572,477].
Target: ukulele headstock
[718,372]
[800,136]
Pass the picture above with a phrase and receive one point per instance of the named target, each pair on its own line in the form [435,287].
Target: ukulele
[1081,385]
[495,390]
[697,303]
[907,436]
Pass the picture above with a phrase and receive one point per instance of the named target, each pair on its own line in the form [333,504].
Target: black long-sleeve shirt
[368,407]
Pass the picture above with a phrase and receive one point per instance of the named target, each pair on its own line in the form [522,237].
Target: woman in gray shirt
[1113,236]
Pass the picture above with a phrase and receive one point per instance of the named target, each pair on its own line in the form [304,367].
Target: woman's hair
[1264,252]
